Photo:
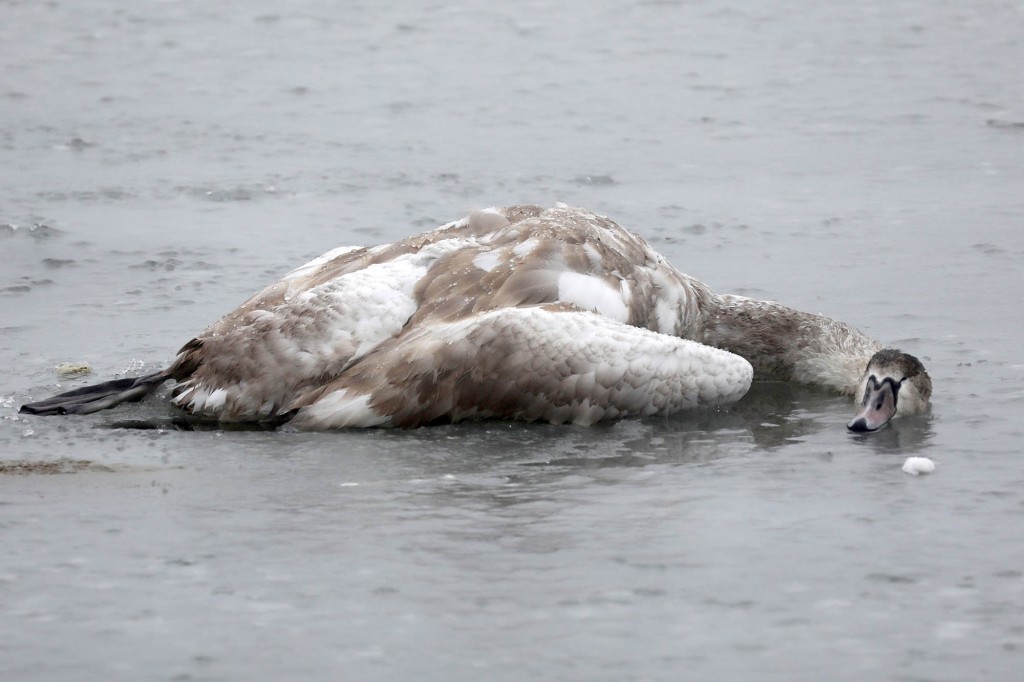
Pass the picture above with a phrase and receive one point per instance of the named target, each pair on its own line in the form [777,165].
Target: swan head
[894,383]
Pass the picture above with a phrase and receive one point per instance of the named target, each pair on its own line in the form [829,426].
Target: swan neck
[787,344]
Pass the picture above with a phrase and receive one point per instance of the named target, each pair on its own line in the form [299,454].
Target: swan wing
[553,363]
[251,364]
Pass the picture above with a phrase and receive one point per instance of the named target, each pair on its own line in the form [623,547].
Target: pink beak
[878,406]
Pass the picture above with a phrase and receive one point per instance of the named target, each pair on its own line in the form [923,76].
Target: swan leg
[102,396]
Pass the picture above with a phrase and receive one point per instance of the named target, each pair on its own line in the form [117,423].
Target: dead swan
[524,313]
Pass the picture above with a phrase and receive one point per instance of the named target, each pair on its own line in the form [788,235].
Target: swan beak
[878,406]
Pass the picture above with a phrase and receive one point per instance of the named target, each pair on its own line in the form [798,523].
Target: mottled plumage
[525,313]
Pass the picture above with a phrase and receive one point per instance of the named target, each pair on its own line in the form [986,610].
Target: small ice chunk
[71,369]
[918,465]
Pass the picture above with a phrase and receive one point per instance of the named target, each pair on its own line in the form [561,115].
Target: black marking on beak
[874,387]
[859,425]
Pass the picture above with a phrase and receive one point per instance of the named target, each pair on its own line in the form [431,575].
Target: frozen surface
[161,161]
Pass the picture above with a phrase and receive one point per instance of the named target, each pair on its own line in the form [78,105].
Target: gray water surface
[161,161]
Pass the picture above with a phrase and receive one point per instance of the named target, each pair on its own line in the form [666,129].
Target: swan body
[555,314]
